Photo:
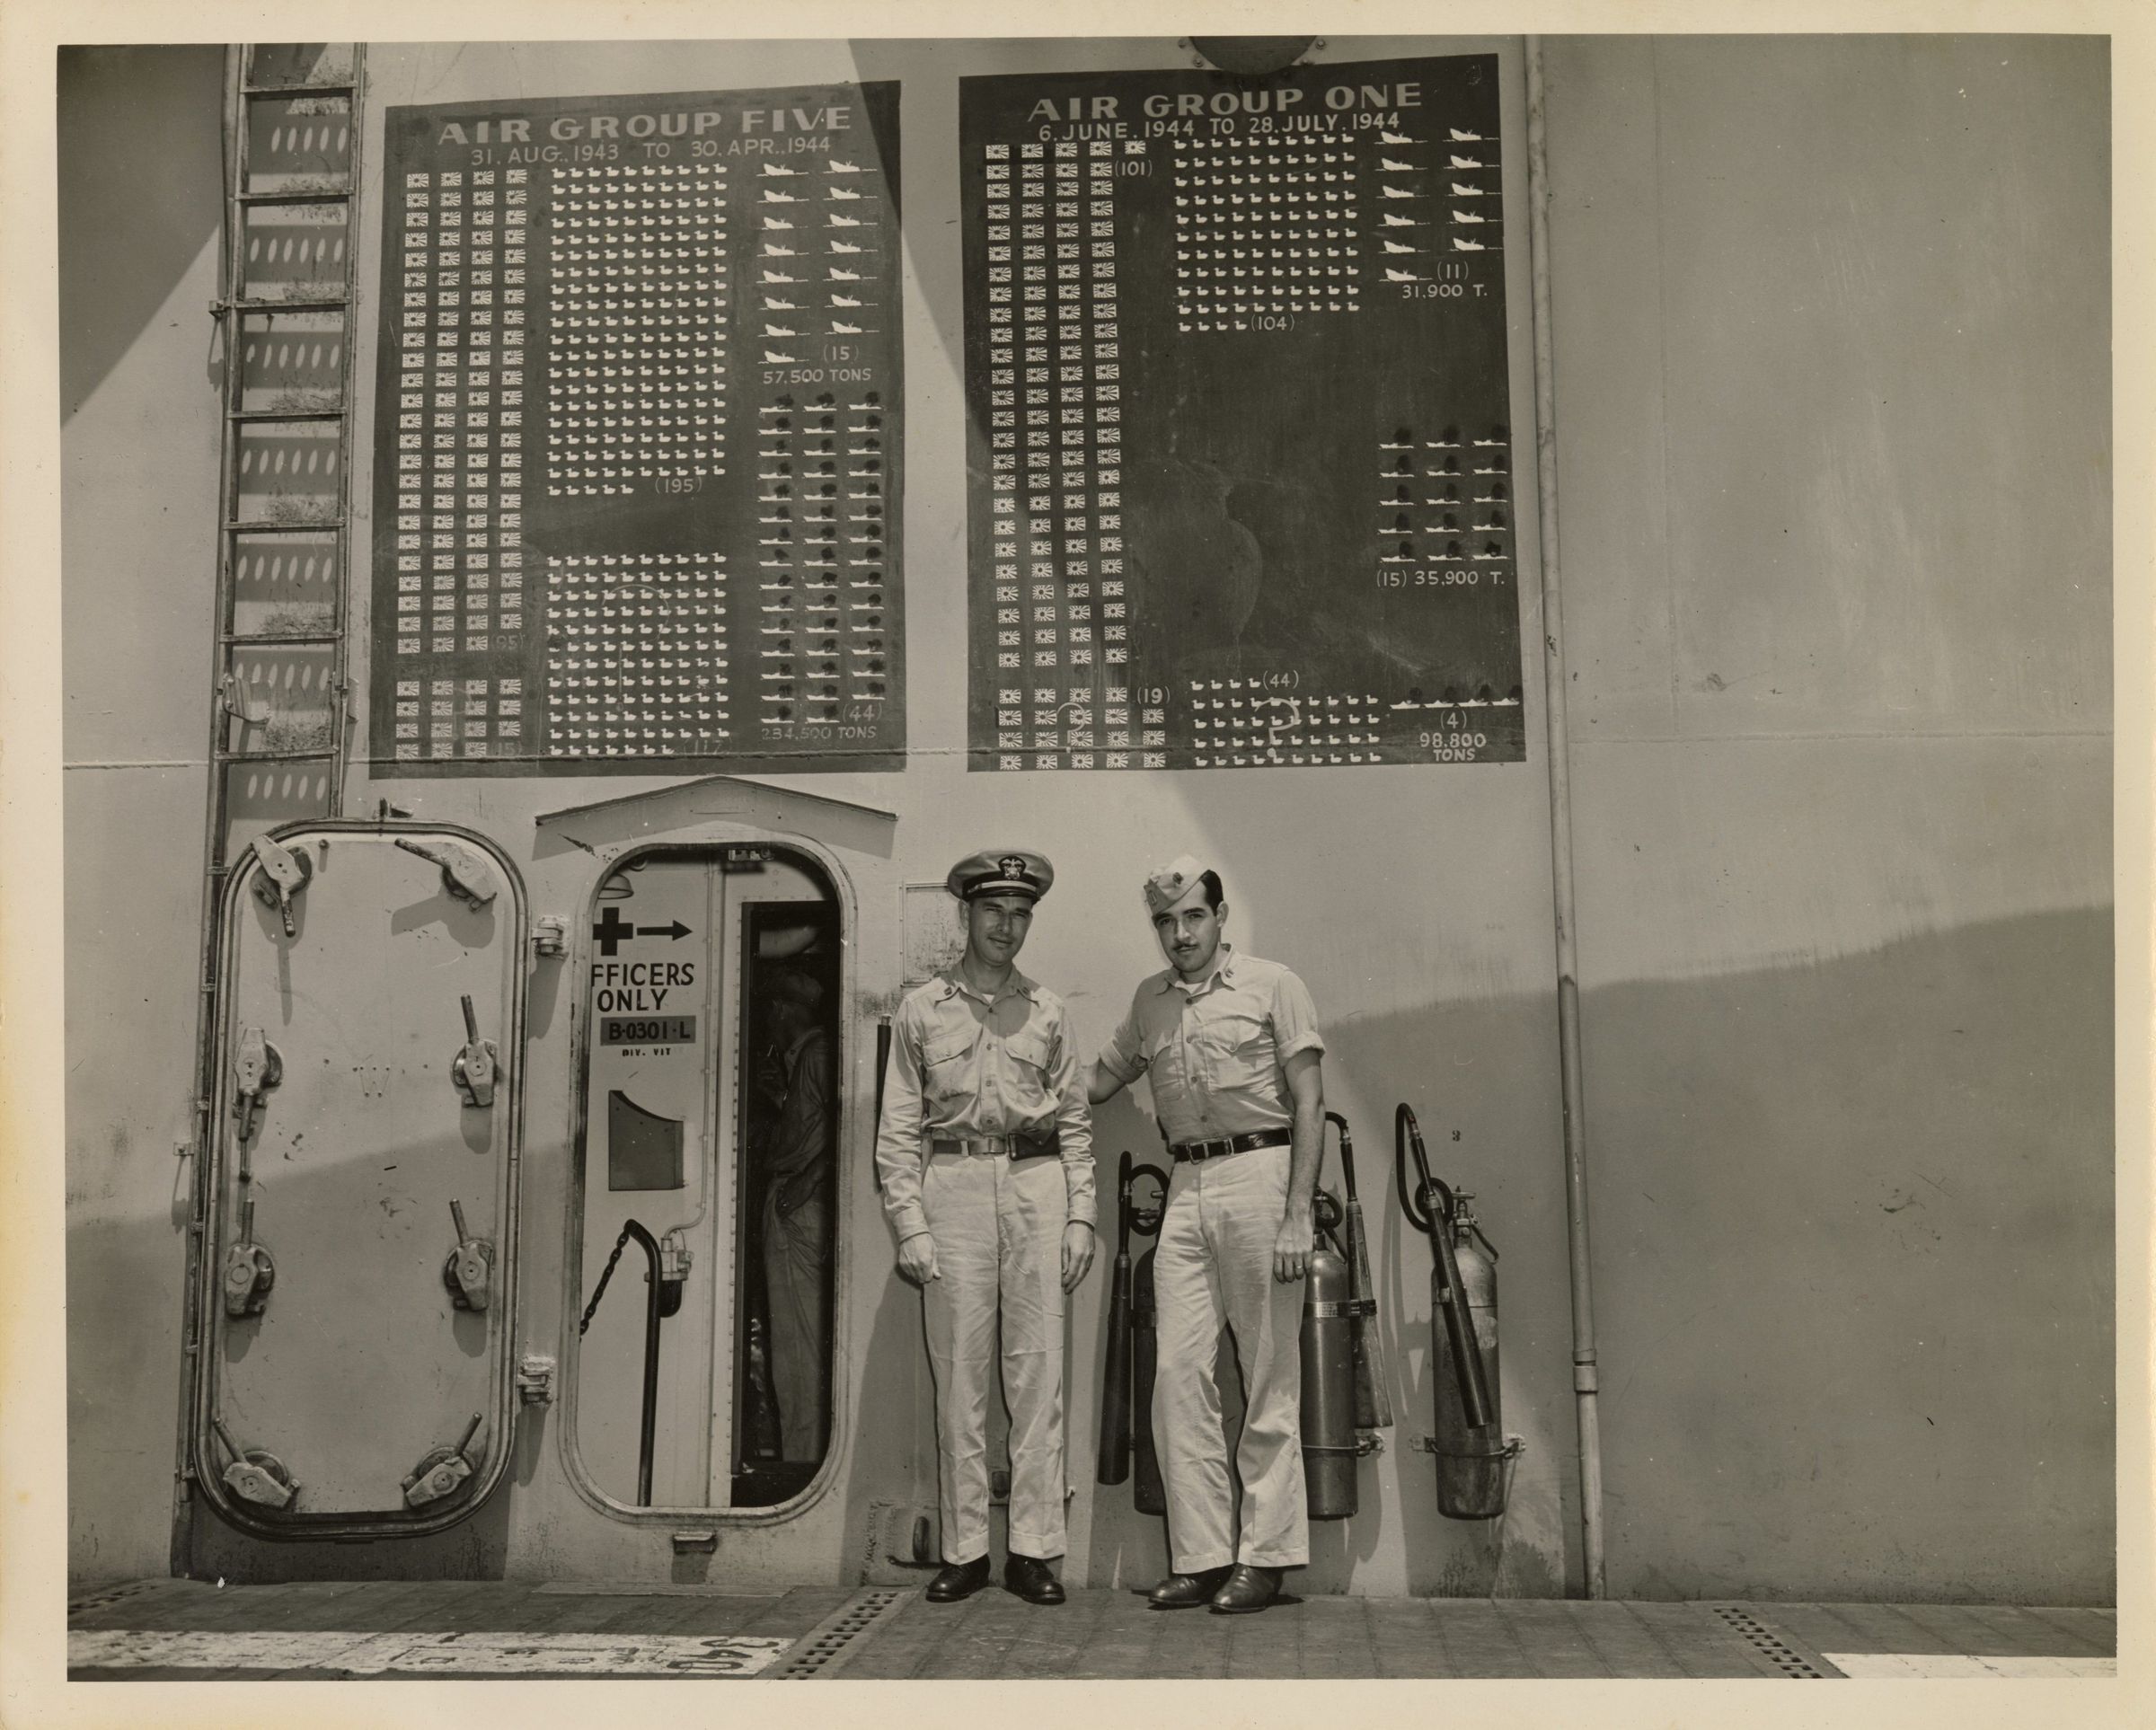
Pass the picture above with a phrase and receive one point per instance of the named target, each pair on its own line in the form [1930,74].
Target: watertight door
[359,1280]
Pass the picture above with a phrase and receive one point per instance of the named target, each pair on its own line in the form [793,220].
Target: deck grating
[825,1649]
[1778,1652]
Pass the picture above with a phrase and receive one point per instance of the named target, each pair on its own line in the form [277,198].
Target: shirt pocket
[1028,1052]
[1237,1050]
[1033,1050]
[945,1073]
[1164,1059]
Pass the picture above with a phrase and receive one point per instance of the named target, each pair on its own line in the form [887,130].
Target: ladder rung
[311,197]
[236,526]
[295,90]
[276,756]
[288,414]
[328,304]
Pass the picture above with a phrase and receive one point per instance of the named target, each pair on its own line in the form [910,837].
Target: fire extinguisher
[1112,1459]
[1148,1493]
[1474,1456]
[1330,1444]
[1344,1399]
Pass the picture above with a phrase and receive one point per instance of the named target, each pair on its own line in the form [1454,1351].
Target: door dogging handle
[464,873]
[254,1474]
[258,1067]
[469,1273]
[249,1273]
[477,1064]
[444,1472]
[285,872]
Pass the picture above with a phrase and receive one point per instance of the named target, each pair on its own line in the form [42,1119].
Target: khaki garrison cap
[1172,882]
[1004,871]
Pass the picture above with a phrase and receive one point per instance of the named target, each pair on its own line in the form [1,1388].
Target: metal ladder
[293,123]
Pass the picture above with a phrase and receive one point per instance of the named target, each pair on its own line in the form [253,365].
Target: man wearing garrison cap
[985,1151]
[1231,1046]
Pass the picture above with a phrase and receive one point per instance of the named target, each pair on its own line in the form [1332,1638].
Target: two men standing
[984,1149]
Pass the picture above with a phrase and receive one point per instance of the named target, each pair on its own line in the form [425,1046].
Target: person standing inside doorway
[797,1211]
[985,1153]
[1231,1043]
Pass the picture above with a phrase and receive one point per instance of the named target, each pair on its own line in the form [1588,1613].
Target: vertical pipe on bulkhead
[1584,1380]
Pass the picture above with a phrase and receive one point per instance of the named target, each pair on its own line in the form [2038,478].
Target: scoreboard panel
[638,479]
[1241,462]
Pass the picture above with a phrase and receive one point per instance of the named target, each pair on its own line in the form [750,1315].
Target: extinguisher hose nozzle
[1431,1209]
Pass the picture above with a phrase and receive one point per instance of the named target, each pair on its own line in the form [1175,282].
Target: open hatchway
[705,1230]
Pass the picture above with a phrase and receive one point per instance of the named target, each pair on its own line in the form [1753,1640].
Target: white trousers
[1214,1265]
[998,1229]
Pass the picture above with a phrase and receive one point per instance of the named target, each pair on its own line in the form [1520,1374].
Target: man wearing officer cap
[986,1152]
[1230,1043]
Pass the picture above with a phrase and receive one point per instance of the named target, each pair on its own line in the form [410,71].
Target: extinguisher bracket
[1513,1448]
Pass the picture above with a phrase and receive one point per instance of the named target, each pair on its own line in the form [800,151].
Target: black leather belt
[1024,1145]
[1227,1144]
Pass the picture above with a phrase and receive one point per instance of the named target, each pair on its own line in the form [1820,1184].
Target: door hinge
[535,1380]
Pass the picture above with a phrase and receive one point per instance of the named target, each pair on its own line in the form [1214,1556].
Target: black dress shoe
[958,1580]
[1247,1589]
[1187,1591]
[1029,1577]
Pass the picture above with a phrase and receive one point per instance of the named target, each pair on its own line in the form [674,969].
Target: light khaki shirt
[1216,1050]
[966,1065]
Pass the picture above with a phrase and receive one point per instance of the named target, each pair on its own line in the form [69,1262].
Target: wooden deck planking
[1332,1639]
[979,1640]
[140,1600]
[1054,1638]
[1120,1638]
[2096,1628]
[1192,1644]
[1109,1633]
[1702,1642]
[1957,1628]
[376,1607]
[1477,1639]
[1404,1638]
[1266,1646]
[479,1606]
[1825,1629]
[2029,1635]
[1550,1638]
[1625,1644]
[1674,1628]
